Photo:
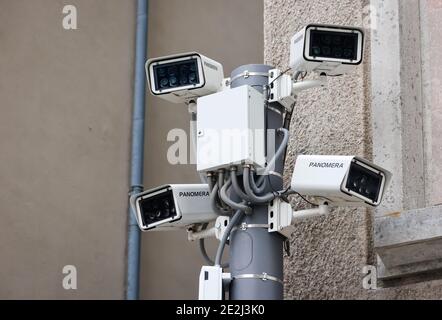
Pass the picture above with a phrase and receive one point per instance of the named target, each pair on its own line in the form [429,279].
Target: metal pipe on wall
[137,153]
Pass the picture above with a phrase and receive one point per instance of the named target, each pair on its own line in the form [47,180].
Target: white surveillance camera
[181,78]
[326,49]
[340,180]
[175,206]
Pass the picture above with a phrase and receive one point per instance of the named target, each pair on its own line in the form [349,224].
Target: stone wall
[328,254]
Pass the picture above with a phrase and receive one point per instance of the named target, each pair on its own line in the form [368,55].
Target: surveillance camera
[175,206]
[326,49]
[340,180]
[184,77]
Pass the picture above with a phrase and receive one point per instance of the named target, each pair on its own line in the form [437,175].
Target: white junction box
[211,283]
[231,129]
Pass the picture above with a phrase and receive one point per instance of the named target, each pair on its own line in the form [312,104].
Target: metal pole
[137,157]
[256,256]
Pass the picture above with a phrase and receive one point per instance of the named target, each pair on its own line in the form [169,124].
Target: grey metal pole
[256,256]
[137,157]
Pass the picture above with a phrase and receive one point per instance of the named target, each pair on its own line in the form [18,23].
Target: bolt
[264,276]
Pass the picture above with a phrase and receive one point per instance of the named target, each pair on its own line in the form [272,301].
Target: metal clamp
[264,277]
[134,189]
[246,74]
[246,226]
[276,174]
[274,110]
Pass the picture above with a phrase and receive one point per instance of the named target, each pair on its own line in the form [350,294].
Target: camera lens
[326,39]
[326,51]
[172,76]
[337,40]
[173,81]
[151,215]
[337,53]
[183,80]
[316,51]
[349,42]
[162,72]
[192,78]
[364,180]
[166,213]
[333,44]
[164,82]
[348,53]
[184,70]
[172,71]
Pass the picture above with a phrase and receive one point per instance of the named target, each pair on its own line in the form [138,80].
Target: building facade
[66,102]
[387,110]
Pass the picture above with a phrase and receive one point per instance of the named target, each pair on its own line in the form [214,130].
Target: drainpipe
[137,156]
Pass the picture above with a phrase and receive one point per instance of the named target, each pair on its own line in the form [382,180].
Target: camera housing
[180,78]
[340,180]
[326,49]
[174,206]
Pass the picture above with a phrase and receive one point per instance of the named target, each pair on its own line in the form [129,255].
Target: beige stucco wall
[231,32]
[329,254]
[66,101]
[65,108]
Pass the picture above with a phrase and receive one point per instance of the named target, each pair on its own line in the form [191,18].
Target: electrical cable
[233,222]
[221,182]
[220,179]
[258,190]
[289,113]
[203,251]
[309,202]
[278,153]
[255,198]
[236,186]
[234,205]
[210,182]
[291,192]
[214,204]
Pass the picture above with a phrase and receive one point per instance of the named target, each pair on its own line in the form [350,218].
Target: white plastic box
[231,129]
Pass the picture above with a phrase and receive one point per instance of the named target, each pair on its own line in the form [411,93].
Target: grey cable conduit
[233,222]
[256,199]
[278,153]
[230,202]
